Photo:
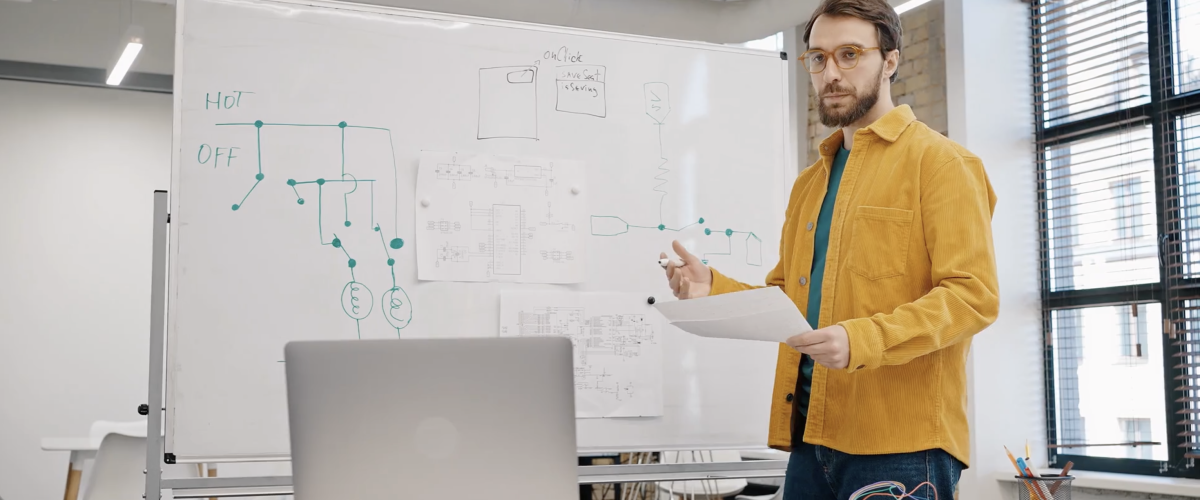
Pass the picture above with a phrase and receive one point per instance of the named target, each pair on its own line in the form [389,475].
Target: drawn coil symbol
[357,300]
[397,308]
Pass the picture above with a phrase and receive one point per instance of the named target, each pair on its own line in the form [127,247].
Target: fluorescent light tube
[910,5]
[118,72]
[133,46]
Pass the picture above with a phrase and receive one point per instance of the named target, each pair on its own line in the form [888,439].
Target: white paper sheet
[618,346]
[500,218]
[765,314]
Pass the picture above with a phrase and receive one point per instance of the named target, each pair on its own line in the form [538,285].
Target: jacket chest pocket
[879,242]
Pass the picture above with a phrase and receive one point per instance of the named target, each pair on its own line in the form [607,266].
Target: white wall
[77,171]
[991,113]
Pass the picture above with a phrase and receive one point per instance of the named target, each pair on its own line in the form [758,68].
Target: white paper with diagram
[618,346]
[484,217]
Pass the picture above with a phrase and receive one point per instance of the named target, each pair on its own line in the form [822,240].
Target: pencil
[1032,493]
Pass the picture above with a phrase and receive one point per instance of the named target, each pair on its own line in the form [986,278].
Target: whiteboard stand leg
[158,301]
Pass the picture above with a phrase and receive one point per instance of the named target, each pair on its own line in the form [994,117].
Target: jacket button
[810,226]
[789,398]
[803,281]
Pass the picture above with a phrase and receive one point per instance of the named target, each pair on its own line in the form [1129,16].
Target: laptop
[440,418]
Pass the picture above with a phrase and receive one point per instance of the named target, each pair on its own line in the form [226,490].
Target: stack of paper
[765,314]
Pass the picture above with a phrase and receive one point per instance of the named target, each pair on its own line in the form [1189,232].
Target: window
[1117,111]
[1186,45]
[1101,212]
[1100,385]
[1093,58]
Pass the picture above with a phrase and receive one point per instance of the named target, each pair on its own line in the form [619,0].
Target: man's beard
[844,117]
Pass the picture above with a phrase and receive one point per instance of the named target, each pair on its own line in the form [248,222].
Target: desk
[81,449]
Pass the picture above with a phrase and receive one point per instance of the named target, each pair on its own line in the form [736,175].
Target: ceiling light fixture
[131,46]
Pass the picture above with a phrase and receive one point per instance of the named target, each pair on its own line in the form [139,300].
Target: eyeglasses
[846,57]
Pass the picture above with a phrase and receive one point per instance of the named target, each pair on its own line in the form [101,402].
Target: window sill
[1127,483]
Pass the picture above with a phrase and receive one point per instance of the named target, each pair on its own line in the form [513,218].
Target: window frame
[1161,113]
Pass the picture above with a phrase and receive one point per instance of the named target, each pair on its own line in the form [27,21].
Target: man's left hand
[829,346]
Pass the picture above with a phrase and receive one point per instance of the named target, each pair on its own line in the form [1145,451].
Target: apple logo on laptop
[436,438]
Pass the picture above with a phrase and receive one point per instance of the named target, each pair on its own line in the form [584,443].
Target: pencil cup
[1044,488]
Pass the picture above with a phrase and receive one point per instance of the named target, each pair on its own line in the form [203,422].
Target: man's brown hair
[877,12]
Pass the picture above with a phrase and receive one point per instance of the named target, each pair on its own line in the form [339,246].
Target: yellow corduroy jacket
[910,274]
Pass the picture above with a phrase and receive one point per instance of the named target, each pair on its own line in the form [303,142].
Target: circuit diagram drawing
[356,297]
[494,218]
[658,108]
[617,351]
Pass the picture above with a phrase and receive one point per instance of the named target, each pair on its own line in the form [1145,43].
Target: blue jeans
[819,473]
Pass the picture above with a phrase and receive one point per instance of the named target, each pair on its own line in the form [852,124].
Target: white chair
[710,489]
[102,428]
[117,472]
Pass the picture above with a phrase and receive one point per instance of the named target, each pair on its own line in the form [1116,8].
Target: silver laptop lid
[438,418]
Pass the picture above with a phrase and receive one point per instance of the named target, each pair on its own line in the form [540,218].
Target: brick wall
[920,81]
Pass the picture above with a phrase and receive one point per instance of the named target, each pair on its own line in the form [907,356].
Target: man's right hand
[692,280]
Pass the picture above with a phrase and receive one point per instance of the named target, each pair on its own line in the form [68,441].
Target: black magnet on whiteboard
[143,409]
[783,55]
[650,301]
[169,458]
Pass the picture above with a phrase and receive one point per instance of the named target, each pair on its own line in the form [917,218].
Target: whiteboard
[274,91]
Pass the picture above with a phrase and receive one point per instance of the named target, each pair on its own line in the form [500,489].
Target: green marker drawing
[753,247]
[239,205]
[357,298]
[658,107]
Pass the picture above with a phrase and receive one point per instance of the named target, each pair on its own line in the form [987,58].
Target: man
[887,249]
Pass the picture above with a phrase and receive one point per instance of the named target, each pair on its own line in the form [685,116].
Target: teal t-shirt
[820,246]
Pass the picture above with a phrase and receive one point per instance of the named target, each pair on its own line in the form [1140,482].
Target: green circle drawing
[235,206]
[662,227]
[258,177]
[347,223]
[320,182]
[300,201]
[397,308]
[701,220]
[397,243]
[357,300]
[728,232]
[337,243]
[707,231]
[391,262]
[291,182]
[352,263]
[342,124]
[258,123]
[377,228]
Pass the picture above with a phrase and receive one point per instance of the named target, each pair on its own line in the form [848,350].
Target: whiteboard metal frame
[158,323]
[791,168]
[588,474]
[421,16]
